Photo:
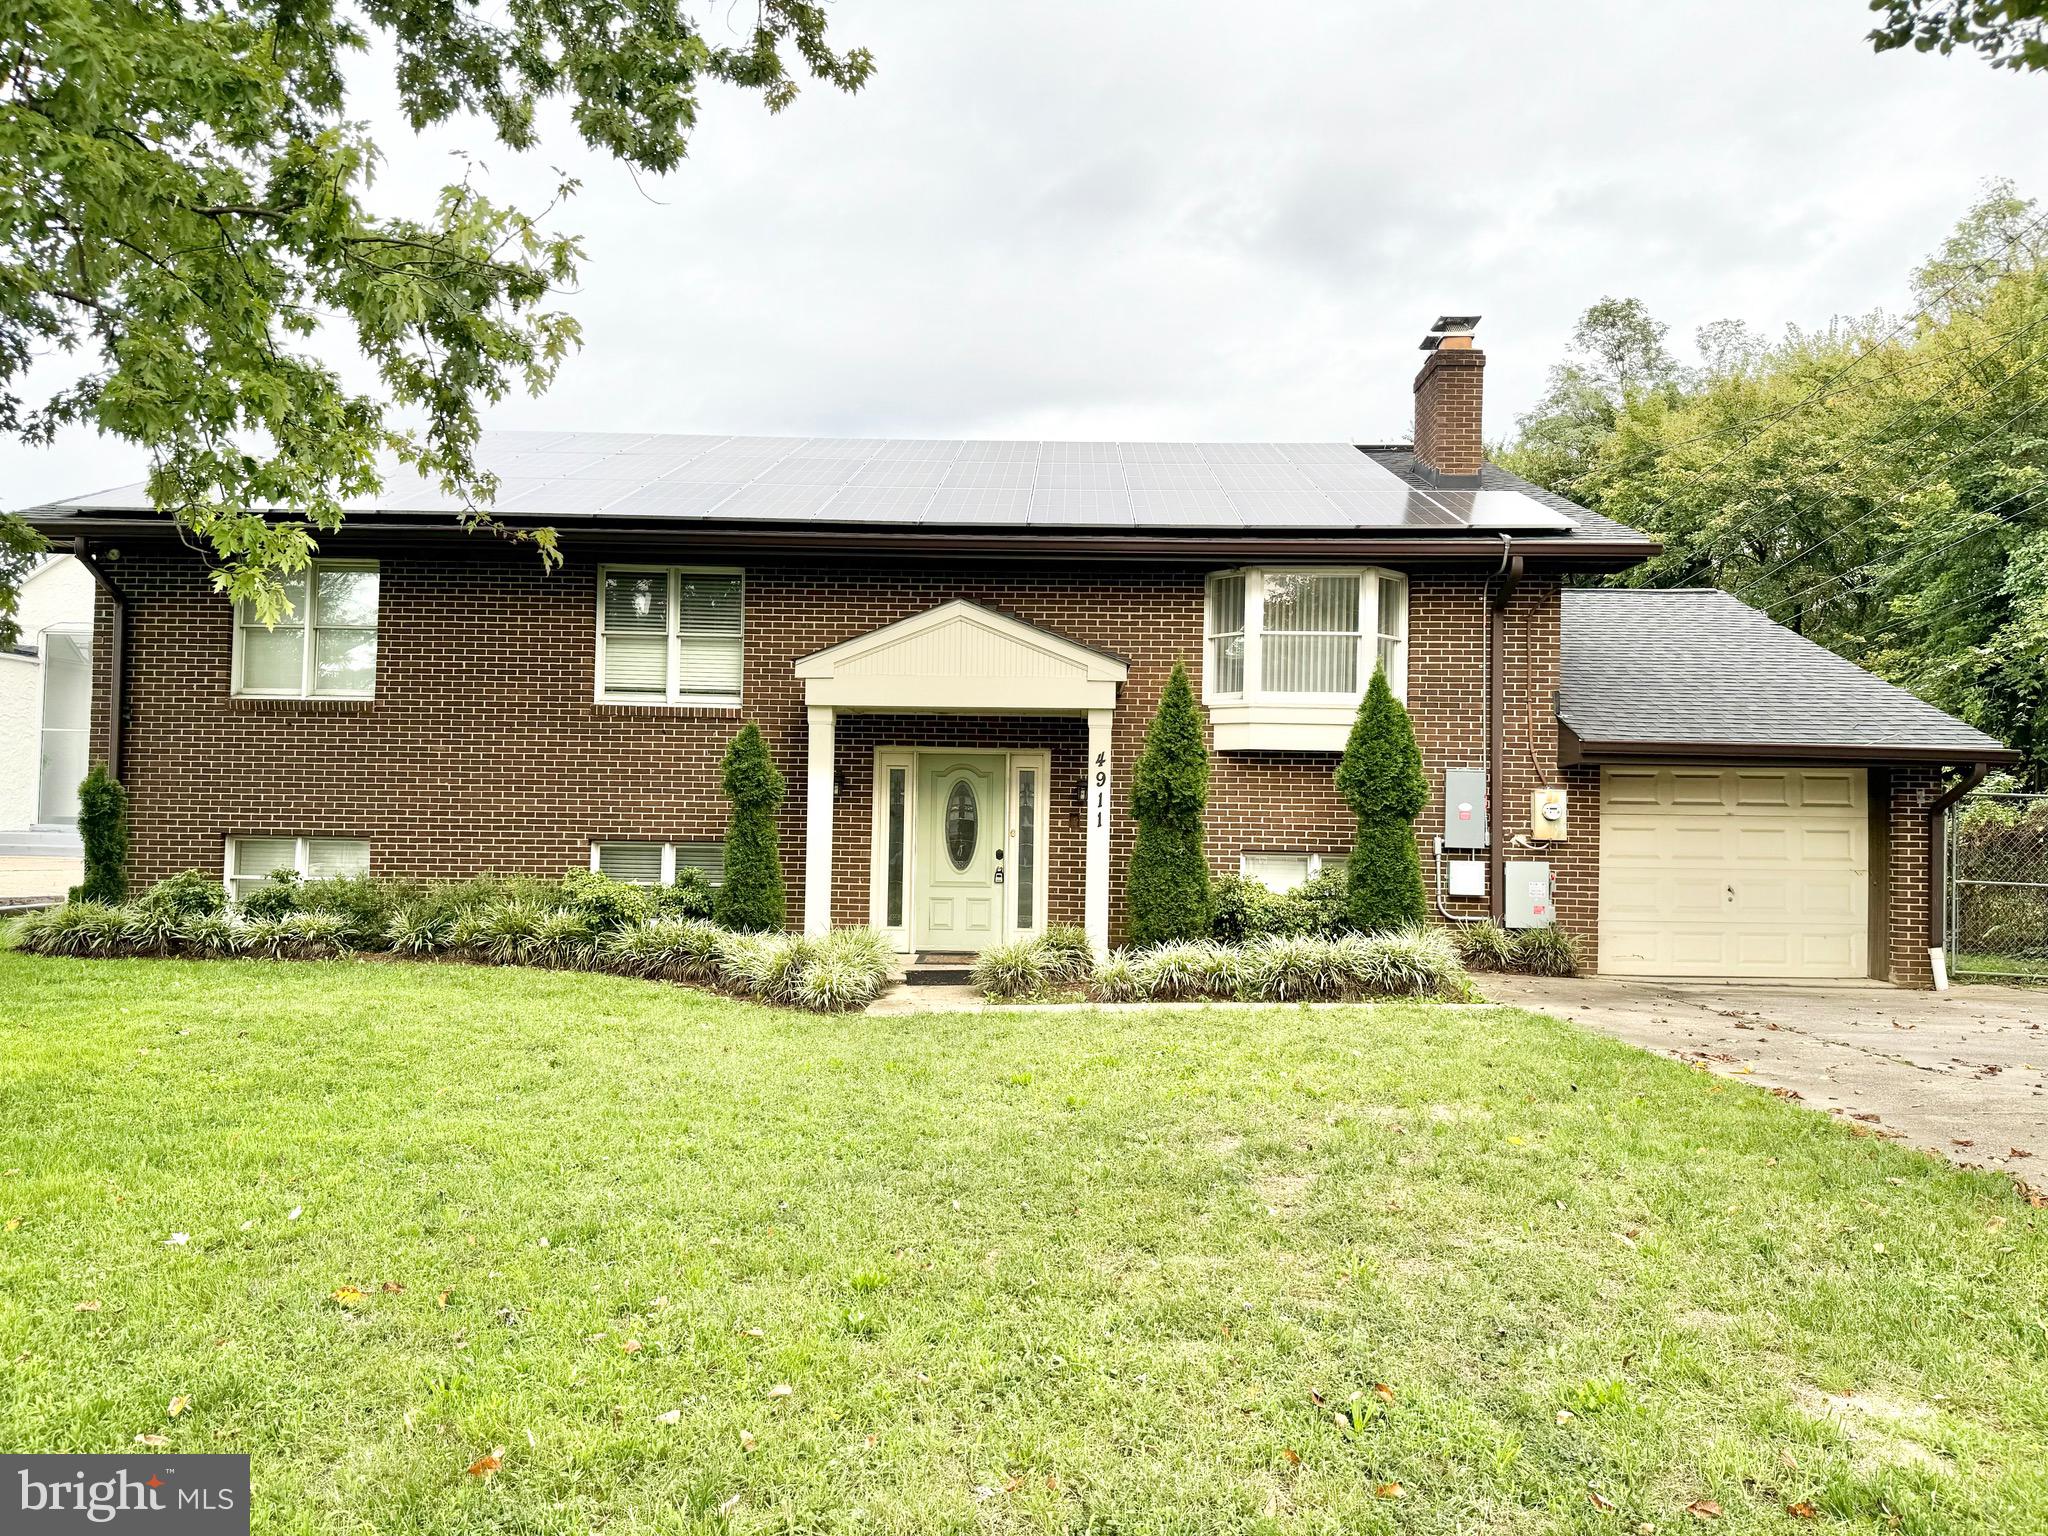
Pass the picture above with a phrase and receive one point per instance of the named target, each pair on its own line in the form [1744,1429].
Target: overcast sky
[1177,219]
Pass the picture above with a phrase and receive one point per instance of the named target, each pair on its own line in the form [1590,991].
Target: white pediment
[962,658]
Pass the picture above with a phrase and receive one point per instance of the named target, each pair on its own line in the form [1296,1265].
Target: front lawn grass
[697,1264]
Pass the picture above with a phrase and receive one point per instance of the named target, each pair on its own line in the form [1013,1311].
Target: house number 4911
[1101,787]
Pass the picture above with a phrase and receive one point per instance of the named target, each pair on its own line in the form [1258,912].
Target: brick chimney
[1449,392]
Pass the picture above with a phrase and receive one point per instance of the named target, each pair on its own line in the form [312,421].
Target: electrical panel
[1465,808]
[1468,877]
[1528,892]
[1546,816]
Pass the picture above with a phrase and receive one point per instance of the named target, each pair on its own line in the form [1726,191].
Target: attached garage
[1749,871]
[1767,811]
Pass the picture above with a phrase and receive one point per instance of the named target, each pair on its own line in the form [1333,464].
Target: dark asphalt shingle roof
[1695,666]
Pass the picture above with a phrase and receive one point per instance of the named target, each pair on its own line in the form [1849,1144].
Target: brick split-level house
[954,649]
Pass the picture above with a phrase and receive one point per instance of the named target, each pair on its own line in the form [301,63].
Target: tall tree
[1879,484]
[2008,34]
[1380,777]
[1168,888]
[185,201]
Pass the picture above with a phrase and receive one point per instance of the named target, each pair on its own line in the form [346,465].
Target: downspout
[1937,851]
[1506,579]
[117,651]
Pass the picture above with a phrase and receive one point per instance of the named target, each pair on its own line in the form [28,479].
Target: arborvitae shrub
[751,900]
[1168,886]
[1381,779]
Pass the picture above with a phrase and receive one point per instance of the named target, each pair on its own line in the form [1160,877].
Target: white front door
[962,825]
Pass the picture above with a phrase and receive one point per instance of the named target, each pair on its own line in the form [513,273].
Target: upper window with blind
[670,635]
[324,646]
[1313,636]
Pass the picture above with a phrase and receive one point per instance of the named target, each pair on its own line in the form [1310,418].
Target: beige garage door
[1735,872]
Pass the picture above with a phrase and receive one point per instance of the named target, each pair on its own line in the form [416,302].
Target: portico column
[1095,883]
[818,824]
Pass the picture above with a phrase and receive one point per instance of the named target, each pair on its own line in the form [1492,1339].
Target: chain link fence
[1998,887]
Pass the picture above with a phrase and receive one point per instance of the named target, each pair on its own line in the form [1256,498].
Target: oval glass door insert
[963,818]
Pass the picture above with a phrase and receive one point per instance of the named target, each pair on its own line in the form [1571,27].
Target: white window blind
[253,860]
[1280,871]
[1309,643]
[1226,634]
[324,646]
[657,863]
[671,635]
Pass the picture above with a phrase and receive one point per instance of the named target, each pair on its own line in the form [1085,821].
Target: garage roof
[1669,672]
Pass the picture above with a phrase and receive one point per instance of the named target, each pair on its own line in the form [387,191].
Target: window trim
[1255,578]
[668,858]
[671,697]
[302,854]
[308,626]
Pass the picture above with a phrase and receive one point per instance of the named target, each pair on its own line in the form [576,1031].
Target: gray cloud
[1161,217]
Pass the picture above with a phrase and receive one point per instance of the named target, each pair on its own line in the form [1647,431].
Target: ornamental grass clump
[417,932]
[1547,952]
[564,938]
[1406,962]
[1115,979]
[1068,956]
[1485,946]
[1011,973]
[211,936]
[506,934]
[1299,968]
[1178,971]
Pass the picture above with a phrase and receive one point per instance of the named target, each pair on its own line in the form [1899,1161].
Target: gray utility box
[1464,807]
[1529,904]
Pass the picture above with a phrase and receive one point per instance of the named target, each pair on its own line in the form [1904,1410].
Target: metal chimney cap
[1447,326]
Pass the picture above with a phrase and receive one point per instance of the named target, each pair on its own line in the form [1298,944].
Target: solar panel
[981,482]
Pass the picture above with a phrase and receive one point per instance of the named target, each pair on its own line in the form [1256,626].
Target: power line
[1893,574]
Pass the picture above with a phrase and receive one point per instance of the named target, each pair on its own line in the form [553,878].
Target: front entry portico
[958,836]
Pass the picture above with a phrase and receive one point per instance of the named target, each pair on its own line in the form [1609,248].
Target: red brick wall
[1449,398]
[1907,912]
[485,751]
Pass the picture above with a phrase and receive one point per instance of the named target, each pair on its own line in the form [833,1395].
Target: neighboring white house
[46,700]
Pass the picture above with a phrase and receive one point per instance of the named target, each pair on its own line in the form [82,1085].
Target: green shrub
[692,896]
[1547,952]
[315,935]
[276,897]
[751,899]
[1320,907]
[835,982]
[1167,887]
[1069,957]
[1485,946]
[1381,779]
[270,937]
[1010,973]
[103,828]
[365,904]
[75,928]
[1245,910]
[605,903]
[190,894]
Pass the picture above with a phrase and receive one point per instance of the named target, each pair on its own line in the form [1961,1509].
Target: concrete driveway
[1963,1073]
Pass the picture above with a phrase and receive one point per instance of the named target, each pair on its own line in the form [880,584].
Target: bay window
[670,635]
[1288,653]
[323,647]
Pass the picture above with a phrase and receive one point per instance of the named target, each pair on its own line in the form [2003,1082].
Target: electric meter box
[1546,815]
[1528,891]
[1464,808]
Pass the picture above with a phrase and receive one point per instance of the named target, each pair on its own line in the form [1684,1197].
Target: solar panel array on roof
[1111,487]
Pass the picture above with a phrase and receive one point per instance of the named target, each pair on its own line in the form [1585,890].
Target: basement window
[251,861]
[1280,871]
[658,863]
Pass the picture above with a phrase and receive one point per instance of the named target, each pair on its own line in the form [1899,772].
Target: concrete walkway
[1963,1073]
[34,876]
